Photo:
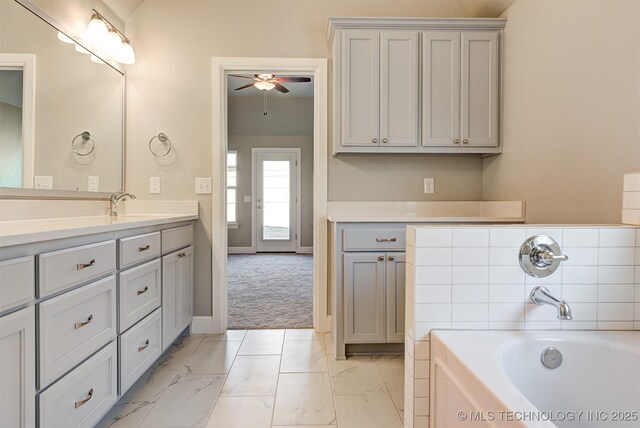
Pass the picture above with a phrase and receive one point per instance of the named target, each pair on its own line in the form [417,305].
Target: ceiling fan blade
[280,88]
[244,87]
[293,79]
[240,75]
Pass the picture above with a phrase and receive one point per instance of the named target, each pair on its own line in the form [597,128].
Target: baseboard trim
[305,250]
[202,325]
[241,250]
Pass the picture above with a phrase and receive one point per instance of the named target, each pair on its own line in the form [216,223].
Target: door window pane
[276,202]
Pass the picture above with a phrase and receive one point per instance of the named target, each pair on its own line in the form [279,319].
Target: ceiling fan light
[264,86]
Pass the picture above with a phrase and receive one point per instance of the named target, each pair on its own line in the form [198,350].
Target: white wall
[571,112]
[169,89]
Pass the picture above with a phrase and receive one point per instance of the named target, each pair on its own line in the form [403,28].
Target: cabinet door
[18,369]
[399,88]
[177,292]
[363,283]
[479,98]
[360,94]
[186,287]
[396,267]
[441,89]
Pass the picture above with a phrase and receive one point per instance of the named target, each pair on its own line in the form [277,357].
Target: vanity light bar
[110,26]
[106,38]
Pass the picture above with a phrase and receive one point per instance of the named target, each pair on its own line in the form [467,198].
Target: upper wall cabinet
[460,89]
[404,85]
[379,99]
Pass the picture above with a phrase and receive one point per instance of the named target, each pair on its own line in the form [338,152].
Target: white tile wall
[470,278]
[631,199]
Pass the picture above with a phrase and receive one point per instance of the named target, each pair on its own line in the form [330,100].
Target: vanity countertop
[344,218]
[28,231]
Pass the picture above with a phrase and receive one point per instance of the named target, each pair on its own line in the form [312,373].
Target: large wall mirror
[61,113]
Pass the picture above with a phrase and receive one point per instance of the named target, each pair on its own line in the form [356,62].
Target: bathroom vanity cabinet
[83,317]
[407,85]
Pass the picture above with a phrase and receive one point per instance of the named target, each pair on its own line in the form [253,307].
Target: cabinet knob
[139,292]
[181,255]
[374,140]
[81,402]
[385,141]
[143,347]
[79,325]
[81,266]
[456,141]
[391,258]
[145,248]
[465,141]
[380,258]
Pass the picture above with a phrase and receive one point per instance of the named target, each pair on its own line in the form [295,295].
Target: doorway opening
[274,228]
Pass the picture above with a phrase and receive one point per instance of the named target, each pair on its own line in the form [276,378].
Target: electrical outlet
[154,185]
[203,186]
[429,185]
[93,184]
[247,198]
[44,182]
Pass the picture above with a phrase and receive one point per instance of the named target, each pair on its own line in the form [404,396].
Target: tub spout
[541,295]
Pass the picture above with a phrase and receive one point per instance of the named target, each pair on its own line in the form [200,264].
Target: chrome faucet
[114,202]
[541,295]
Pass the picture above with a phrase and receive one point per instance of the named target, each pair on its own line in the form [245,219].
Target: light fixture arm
[112,27]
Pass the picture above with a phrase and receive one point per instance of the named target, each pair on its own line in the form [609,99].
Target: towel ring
[162,137]
[86,137]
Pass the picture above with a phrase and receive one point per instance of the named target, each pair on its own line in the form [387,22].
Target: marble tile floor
[263,378]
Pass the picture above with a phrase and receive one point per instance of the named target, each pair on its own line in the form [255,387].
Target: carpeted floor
[270,291]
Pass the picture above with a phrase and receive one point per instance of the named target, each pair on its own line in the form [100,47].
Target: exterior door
[276,200]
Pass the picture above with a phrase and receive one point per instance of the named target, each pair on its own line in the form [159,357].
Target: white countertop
[421,219]
[28,231]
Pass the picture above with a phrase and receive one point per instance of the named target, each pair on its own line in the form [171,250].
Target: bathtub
[497,379]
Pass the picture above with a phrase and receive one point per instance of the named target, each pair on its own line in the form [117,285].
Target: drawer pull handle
[386,239]
[380,258]
[81,266]
[79,325]
[391,258]
[89,397]
[145,248]
[143,291]
[145,346]
[181,255]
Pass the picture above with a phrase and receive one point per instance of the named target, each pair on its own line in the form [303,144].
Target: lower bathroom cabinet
[97,307]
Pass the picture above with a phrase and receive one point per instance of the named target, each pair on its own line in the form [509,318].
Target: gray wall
[289,124]
[571,109]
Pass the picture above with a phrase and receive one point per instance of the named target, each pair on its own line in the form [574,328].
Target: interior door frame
[318,68]
[254,192]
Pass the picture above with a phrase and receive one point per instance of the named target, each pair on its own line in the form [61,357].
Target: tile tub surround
[631,199]
[468,277]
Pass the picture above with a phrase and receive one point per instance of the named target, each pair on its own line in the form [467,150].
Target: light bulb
[112,43]
[125,54]
[96,31]
[264,86]
[82,50]
[64,38]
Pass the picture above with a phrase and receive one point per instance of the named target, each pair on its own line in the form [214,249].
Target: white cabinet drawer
[374,239]
[180,237]
[62,269]
[83,396]
[139,348]
[75,325]
[139,293]
[138,249]
[17,282]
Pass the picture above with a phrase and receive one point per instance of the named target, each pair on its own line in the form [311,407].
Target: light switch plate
[43,182]
[93,184]
[203,186]
[154,185]
[247,198]
[429,185]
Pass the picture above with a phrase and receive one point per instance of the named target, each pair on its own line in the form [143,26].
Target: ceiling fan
[267,82]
